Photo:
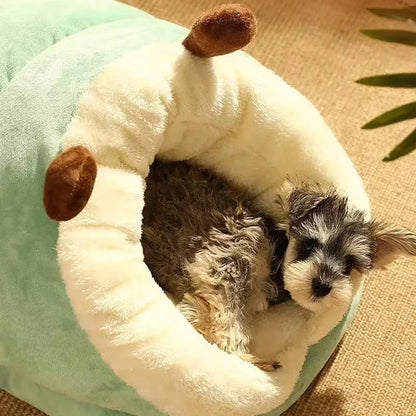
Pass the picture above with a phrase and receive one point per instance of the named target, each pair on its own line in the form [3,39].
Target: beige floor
[316,46]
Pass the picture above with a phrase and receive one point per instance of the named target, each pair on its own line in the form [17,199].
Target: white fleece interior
[238,118]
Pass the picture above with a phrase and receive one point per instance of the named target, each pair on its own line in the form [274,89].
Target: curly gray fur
[207,246]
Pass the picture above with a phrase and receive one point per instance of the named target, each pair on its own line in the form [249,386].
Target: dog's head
[331,244]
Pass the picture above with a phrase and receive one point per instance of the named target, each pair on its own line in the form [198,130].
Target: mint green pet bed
[84,329]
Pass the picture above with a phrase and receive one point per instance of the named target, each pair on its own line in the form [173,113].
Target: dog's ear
[391,241]
[296,201]
[303,201]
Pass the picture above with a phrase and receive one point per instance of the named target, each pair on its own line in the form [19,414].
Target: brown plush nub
[221,30]
[69,183]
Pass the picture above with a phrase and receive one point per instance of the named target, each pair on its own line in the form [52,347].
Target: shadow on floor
[329,403]
[320,403]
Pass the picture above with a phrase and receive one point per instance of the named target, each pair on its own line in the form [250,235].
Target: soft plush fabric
[43,352]
[29,27]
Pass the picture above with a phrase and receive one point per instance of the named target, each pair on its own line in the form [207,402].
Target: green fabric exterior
[45,358]
[30,26]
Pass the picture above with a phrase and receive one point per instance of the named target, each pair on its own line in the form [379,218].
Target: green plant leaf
[405,14]
[403,80]
[405,37]
[403,148]
[404,112]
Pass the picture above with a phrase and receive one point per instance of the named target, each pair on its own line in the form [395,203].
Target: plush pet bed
[84,329]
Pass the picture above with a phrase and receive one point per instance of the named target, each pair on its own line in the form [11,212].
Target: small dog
[223,261]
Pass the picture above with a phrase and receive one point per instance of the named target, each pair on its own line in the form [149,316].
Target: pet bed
[84,329]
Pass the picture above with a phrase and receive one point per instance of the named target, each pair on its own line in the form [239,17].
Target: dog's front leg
[218,305]
[221,327]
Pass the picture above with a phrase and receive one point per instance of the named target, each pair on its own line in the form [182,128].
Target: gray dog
[223,262]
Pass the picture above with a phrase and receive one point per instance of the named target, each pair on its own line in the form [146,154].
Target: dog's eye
[306,247]
[348,265]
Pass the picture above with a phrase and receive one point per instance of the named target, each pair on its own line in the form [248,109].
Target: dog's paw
[268,366]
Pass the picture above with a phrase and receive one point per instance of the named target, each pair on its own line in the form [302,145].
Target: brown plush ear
[391,242]
[69,183]
[221,30]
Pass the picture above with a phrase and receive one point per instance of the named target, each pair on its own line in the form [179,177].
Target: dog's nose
[320,287]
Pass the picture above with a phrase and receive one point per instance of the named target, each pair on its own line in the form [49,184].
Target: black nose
[320,288]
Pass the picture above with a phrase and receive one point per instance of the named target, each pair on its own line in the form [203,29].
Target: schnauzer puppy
[223,261]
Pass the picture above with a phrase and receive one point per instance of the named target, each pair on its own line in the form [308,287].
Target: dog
[224,262]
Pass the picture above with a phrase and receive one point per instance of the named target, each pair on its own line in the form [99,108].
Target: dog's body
[218,256]
[208,247]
